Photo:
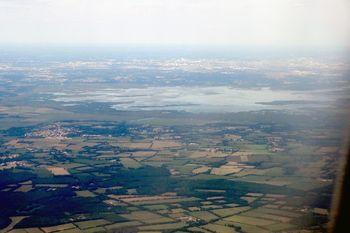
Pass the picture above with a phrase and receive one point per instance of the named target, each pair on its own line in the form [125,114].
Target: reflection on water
[197,99]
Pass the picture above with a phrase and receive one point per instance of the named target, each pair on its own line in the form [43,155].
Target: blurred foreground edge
[340,213]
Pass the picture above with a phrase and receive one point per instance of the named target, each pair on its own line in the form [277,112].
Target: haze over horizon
[275,23]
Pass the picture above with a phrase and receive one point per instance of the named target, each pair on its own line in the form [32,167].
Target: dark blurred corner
[340,214]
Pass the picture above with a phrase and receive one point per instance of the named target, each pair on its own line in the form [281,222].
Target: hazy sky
[213,22]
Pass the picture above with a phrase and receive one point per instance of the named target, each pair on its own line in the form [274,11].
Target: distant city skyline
[279,23]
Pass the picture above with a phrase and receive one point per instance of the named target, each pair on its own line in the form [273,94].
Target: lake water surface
[193,99]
